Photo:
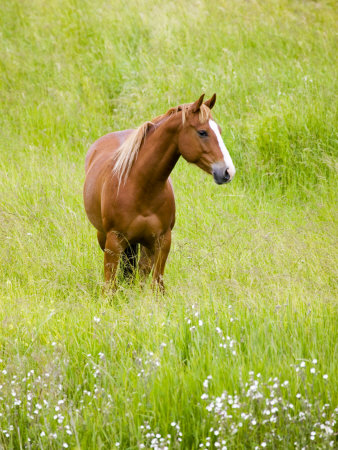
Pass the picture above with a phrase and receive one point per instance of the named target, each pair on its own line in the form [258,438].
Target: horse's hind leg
[101,237]
[129,260]
[146,262]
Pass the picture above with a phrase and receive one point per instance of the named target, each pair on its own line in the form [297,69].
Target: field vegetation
[241,352]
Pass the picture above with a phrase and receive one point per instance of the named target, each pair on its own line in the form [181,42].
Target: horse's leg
[101,237]
[146,262]
[162,248]
[114,246]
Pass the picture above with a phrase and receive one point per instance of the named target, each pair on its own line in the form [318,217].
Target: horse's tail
[129,261]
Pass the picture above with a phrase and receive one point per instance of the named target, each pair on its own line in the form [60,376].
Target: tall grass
[251,279]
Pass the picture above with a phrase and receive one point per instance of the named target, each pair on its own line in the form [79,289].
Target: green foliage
[252,275]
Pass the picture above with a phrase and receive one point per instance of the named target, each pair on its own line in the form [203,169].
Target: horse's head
[200,141]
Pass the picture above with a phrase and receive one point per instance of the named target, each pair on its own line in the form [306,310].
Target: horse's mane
[125,156]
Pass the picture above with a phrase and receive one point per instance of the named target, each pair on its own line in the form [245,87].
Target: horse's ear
[196,106]
[211,102]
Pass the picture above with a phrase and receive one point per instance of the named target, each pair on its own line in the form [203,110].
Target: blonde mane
[125,156]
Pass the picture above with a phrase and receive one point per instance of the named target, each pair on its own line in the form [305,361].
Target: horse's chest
[146,228]
[142,220]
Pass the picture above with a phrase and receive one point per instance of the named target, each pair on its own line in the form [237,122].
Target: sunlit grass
[251,279]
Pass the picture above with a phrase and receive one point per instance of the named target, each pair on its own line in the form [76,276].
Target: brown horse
[128,194]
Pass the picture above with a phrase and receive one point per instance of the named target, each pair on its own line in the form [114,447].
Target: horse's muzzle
[221,174]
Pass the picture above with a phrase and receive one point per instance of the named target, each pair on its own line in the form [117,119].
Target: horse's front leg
[162,248]
[114,246]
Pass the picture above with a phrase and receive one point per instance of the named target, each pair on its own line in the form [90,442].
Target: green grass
[255,261]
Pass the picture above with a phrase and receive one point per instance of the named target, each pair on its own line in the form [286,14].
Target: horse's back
[105,146]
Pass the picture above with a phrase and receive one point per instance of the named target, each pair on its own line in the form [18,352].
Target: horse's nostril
[226,175]
[221,173]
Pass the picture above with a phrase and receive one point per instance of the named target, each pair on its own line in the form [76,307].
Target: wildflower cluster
[27,398]
[194,318]
[35,407]
[265,410]
[147,365]
[226,342]
[155,440]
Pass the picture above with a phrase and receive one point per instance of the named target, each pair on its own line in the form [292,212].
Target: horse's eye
[202,133]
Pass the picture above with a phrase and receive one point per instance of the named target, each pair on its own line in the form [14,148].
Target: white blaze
[226,155]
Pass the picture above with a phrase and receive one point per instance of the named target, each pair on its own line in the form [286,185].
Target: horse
[128,194]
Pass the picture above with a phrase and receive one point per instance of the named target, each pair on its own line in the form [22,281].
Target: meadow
[241,351]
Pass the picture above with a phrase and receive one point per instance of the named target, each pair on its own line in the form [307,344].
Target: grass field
[241,352]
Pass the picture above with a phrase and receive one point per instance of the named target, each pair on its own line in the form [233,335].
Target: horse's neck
[158,154]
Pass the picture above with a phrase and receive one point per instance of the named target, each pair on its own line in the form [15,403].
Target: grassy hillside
[251,279]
